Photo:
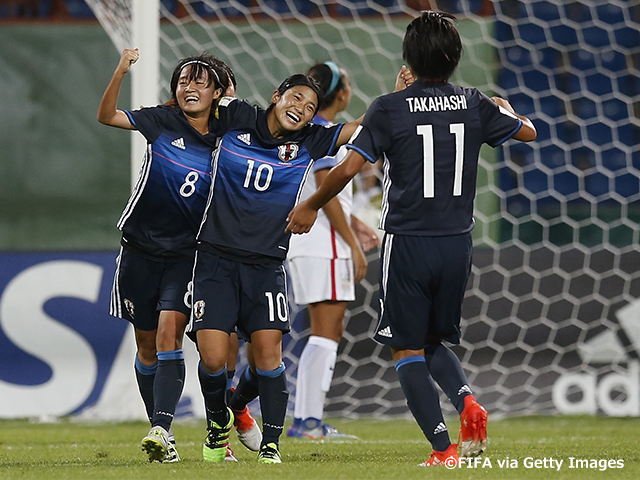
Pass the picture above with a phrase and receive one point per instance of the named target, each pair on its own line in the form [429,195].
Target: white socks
[315,372]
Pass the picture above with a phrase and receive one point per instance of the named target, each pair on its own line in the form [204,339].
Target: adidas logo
[606,347]
[597,390]
[464,389]
[179,142]
[385,332]
[244,138]
[440,428]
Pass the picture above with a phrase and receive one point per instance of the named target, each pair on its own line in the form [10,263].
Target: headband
[335,77]
[206,65]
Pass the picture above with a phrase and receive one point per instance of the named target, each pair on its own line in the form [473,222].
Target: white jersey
[323,241]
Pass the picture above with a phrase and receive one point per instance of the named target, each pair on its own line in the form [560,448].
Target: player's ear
[275,97]
[217,93]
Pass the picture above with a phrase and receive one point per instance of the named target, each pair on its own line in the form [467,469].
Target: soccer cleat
[473,428]
[269,453]
[156,444]
[247,429]
[217,441]
[230,457]
[449,458]
[321,431]
[172,454]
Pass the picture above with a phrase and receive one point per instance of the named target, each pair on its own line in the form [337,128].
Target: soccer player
[159,226]
[324,266]
[239,278]
[430,135]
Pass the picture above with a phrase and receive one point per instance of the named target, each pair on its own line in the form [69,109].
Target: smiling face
[292,110]
[195,96]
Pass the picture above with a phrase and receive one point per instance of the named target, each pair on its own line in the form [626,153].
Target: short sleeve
[231,113]
[498,124]
[322,140]
[148,121]
[373,137]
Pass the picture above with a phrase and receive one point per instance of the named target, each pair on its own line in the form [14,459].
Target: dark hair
[302,80]
[432,45]
[328,74]
[217,72]
[230,75]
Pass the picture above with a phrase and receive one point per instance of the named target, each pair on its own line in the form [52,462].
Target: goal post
[145,77]
[135,24]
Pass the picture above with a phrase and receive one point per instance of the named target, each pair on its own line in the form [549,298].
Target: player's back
[430,135]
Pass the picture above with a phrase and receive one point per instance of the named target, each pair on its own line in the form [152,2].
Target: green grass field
[387,449]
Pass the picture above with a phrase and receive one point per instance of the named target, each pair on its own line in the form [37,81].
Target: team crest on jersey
[288,151]
[198,309]
[128,304]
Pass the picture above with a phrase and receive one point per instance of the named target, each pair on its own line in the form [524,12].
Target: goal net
[551,320]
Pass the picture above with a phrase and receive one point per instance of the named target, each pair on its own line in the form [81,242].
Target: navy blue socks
[423,401]
[167,387]
[214,387]
[446,370]
[273,403]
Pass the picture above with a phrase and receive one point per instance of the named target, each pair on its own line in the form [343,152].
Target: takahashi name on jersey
[437,104]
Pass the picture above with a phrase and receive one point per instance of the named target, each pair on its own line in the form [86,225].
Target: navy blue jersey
[429,136]
[257,180]
[164,211]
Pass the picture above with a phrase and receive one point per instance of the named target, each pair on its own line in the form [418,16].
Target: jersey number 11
[428,159]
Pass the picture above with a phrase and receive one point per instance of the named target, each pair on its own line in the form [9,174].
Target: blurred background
[551,319]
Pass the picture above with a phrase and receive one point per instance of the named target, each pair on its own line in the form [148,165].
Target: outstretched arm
[527,132]
[303,216]
[108,112]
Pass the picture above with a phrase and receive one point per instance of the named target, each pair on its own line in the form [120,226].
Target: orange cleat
[473,428]
[449,458]
[247,429]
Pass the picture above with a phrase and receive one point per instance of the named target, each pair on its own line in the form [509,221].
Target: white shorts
[320,279]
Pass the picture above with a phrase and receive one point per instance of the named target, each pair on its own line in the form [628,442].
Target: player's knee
[268,359]
[212,361]
[169,340]
[147,355]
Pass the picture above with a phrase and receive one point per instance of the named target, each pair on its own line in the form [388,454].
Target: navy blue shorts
[422,285]
[230,295]
[142,288]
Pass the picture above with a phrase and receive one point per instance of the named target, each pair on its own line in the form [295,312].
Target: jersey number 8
[188,188]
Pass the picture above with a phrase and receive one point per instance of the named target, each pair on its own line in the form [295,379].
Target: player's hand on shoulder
[404,79]
[527,131]
[501,102]
[128,58]
[301,218]
[230,91]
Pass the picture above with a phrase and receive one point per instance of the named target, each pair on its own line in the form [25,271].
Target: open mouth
[293,117]
[191,99]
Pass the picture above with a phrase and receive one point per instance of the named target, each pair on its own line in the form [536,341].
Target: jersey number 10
[428,159]
[259,183]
